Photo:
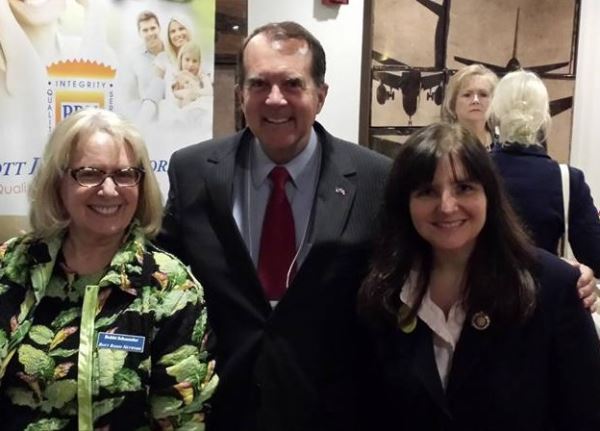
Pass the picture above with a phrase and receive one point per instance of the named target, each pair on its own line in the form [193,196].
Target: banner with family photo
[151,60]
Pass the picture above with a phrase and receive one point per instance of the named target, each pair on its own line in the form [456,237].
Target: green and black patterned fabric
[53,373]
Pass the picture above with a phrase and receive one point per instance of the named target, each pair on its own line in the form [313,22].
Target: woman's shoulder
[155,277]
[514,152]
[548,263]
[554,275]
[24,245]
[170,263]
[9,245]
[18,239]
[170,269]
[24,257]
[173,288]
[576,177]
[141,256]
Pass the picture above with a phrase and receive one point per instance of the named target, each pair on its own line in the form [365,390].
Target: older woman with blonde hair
[467,100]
[98,328]
[520,109]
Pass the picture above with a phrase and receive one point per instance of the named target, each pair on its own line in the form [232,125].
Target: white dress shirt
[445,332]
[252,188]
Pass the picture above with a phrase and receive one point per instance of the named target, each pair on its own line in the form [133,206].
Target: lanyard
[86,358]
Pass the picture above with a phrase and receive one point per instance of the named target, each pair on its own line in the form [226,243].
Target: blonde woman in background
[467,100]
[521,110]
[179,32]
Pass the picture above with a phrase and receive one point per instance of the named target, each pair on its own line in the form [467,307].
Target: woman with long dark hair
[474,327]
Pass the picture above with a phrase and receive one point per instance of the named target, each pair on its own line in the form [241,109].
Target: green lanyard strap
[86,358]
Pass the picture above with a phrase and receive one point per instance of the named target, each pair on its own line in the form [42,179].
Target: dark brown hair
[283,31]
[498,277]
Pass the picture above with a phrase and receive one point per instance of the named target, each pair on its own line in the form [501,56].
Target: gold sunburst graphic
[81,69]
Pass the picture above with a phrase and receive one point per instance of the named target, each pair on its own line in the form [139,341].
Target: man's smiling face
[280,99]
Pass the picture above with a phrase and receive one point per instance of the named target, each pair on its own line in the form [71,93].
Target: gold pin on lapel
[480,321]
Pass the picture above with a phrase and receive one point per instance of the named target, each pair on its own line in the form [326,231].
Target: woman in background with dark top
[520,109]
[467,101]
[474,328]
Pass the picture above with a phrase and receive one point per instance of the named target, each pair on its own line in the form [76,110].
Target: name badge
[129,343]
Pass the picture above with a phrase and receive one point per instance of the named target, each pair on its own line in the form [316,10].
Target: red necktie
[278,238]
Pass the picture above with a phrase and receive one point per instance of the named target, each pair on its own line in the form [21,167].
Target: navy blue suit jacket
[295,367]
[533,182]
[542,375]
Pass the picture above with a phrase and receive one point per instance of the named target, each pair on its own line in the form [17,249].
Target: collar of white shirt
[445,331]
[262,164]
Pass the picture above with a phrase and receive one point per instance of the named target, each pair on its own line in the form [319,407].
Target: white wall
[340,30]
[585,145]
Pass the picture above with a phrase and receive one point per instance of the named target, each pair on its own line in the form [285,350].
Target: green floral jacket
[66,371]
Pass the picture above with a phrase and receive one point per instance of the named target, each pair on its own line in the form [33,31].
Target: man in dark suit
[287,343]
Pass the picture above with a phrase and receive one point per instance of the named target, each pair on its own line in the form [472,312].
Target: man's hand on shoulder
[586,285]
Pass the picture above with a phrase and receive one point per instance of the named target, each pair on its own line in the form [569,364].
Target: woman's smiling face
[450,212]
[104,211]
[178,34]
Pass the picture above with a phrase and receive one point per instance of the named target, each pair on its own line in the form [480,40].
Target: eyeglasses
[93,177]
